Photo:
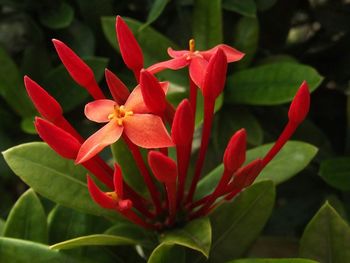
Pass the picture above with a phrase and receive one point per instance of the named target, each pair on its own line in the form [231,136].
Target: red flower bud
[117,88]
[215,75]
[59,140]
[183,124]
[163,167]
[234,155]
[152,92]
[46,105]
[118,180]
[247,174]
[100,197]
[78,69]
[300,104]
[129,48]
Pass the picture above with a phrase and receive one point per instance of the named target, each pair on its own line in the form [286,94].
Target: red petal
[59,140]
[117,88]
[234,155]
[105,136]
[152,93]
[100,197]
[174,64]
[300,105]
[197,68]
[232,54]
[118,181]
[183,124]
[147,131]
[247,174]
[46,105]
[129,48]
[215,75]
[124,205]
[99,110]
[163,167]
[135,101]
[78,69]
[177,53]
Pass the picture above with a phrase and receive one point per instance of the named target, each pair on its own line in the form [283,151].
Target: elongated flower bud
[46,105]
[300,105]
[215,75]
[163,167]
[59,140]
[183,124]
[247,174]
[129,48]
[117,88]
[234,155]
[152,93]
[78,69]
[100,197]
[118,180]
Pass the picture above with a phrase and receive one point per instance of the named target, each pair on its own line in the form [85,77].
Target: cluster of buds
[140,118]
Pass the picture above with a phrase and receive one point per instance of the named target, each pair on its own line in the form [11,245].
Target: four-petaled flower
[143,129]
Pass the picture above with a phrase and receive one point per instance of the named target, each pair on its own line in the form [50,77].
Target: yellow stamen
[120,113]
[192,45]
[113,195]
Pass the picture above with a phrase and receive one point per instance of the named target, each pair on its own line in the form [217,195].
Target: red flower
[132,118]
[196,60]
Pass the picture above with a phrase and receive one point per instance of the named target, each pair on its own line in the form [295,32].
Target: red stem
[145,173]
[133,217]
[171,193]
[183,155]
[193,96]
[207,123]
[169,113]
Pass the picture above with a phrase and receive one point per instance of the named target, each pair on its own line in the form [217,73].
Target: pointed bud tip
[235,152]
[300,105]
[163,167]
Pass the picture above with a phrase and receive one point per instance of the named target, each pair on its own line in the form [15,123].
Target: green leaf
[156,10]
[27,125]
[27,219]
[154,46]
[52,176]
[166,253]
[2,225]
[131,173]
[273,260]
[270,84]
[21,251]
[207,23]
[57,18]
[63,88]
[336,172]
[11,86]
[264,5]
[293,158]
[237,224]
[94,240]
[247,39]
[326,238]
[245,8]
[195,235]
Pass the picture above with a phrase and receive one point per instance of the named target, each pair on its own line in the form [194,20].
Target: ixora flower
[141,118]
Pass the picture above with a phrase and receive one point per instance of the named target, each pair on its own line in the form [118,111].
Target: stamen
[192,45]
[113,195]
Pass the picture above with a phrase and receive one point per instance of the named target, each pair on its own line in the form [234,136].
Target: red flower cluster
[140,118]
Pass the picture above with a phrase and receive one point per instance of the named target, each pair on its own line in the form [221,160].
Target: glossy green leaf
[154,46]
[27,219]
[270,84]
[336,172]
[207,25]
[2,225]
[168,254]
[156,10]
[21,251]
[63,88]
[238,223]
[246,39]
[326,238]
[245,8]
[273,260]
[27,125]
[195,235]
[57,18]
[131,173]
[293,158]
[94,240]
[52,176]
[11,86]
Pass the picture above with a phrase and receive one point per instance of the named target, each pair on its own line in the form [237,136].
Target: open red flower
[196,60]
[132,118]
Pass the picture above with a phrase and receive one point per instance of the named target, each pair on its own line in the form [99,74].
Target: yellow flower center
[193,52]
[113,195]
[120,113]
